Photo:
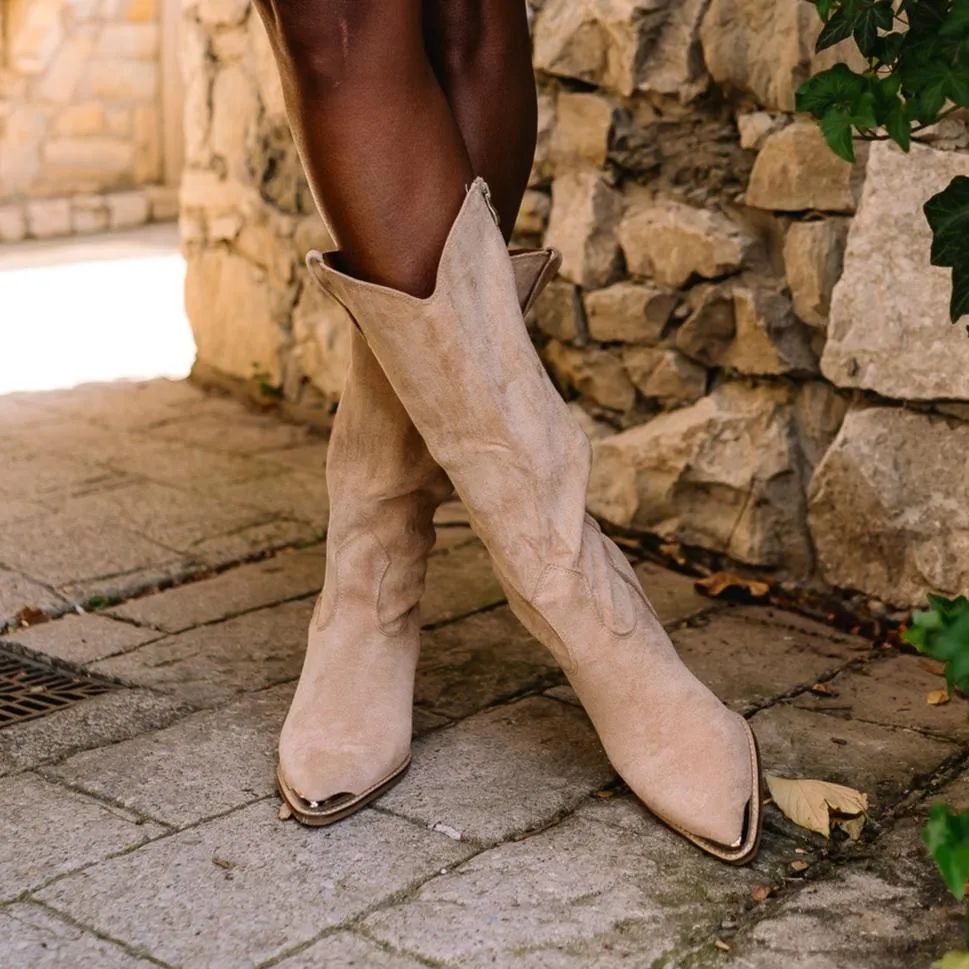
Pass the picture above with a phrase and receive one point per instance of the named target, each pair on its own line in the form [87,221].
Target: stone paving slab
[747,663]
[202,766]
[881,761]
[65,548]
[33,938]
[221,425]
[348,951]
[299,495]
[501,773]
[245,888]
[102,720]
[61,830]
[459,581]
[566,897]
[894,692]
[673,596]
[81,639]
[210,664]
[52,475]
[481,661]
[285,576]
[17,592]
[254,542]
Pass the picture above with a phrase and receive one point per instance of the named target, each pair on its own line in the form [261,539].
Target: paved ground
[139,828]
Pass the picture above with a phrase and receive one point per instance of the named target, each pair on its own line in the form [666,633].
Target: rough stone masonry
[751,324]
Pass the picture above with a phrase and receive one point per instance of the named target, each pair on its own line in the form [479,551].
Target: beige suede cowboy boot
[347,736]
[464,368]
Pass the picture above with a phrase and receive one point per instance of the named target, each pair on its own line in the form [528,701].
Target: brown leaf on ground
[799,866]
[760,893]
[32,616]
[285,812]
[852,826]
[938,698]
[674,551]
[726,585]
[809,803]
[721,945]
[822,689]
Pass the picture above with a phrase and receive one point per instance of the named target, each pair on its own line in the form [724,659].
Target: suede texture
[463,366]
[349,725]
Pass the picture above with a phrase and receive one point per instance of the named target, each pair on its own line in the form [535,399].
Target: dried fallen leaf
[721,945]
[760,893]
[938,698]
[852,826]
[822,689]
[722,585]
[809,803]
[32,616]
[799,866]
[285,812]
[223,863]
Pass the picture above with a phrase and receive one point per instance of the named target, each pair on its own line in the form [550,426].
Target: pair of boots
[449,389]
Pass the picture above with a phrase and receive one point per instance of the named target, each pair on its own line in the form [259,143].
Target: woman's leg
[481,53]
[384,155]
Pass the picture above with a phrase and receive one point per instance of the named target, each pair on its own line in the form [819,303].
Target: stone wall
[80,117]
[750,326]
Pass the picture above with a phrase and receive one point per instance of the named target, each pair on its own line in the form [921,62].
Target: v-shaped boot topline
[465,370]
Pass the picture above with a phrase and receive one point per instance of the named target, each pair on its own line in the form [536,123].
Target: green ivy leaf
[837,29]
[948,216]
[837,130]
[957,23]
[952,960]
[824,8]
[871,19]
[898,125]
[947,837]
[838,86]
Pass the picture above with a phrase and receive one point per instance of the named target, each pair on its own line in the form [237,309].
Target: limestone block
[583,226]
[311,232]
[137,82]
[231,310]
[128,209]
[118,120]
[146,132]
[722,474]
[61,80]
[558,312]
[813,259]
[87,118]
[22,134]
[541,164]
[267,75]
[223,13]
[321,328]
[755,126]
[889,506]
[672,242]
[89,213]
[130,41]
[623,45]
[13,223]
[766,47]
[533,214]
[231,45]
[595,374]
[820,411]
[235,106]
[710,329]
[140,11]
[796,171]
[583,122]
[98,161]
[197,123]
[33,32]
[769,339]
[48,217]
[629,312]
[163,200]
[665,375]
[889,329]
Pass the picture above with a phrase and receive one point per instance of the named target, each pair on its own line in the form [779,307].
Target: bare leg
[385,158]
[481,53]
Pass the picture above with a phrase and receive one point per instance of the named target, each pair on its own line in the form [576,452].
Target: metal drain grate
[29,689]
